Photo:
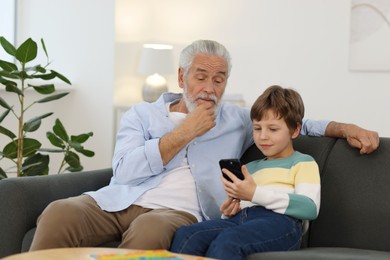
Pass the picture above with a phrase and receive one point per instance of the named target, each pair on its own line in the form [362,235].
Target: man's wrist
[336,129]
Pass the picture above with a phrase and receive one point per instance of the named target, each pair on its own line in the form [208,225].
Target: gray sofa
[354,219]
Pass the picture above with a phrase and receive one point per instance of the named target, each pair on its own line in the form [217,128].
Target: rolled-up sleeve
[314,127]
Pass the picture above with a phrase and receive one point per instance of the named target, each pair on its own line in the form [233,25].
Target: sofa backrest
[355,202]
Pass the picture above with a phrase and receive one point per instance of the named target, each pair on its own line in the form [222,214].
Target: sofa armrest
[23,199]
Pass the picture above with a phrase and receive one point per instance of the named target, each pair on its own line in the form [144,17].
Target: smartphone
[233,165]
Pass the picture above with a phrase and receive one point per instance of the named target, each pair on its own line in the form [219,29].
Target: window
[8,24]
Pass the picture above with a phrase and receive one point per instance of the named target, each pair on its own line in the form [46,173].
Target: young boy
[268,210]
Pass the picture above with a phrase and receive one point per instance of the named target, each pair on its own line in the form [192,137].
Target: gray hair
[203,47]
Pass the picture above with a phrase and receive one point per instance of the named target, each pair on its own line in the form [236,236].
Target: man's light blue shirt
[137,163]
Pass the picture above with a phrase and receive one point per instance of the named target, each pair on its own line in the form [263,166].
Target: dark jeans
[252,230]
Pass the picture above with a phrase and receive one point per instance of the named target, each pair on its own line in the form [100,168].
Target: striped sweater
[288,186]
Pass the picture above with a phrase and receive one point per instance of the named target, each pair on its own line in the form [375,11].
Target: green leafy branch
[23,151]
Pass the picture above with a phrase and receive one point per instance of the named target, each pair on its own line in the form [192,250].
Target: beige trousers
[80,222]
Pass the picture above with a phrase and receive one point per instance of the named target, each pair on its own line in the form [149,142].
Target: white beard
[190,102]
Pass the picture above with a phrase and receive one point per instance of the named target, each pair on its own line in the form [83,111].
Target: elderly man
[165,165]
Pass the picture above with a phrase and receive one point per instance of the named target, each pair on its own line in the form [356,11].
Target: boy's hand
[239,189]
[230,207]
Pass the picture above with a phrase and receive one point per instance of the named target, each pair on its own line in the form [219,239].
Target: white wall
[302,44]
[79,37]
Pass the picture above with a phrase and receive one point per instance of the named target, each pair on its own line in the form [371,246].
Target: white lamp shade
[156,58]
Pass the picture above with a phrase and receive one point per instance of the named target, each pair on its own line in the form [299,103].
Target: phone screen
[233,165]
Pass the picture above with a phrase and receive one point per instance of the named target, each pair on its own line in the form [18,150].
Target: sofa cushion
[27,240]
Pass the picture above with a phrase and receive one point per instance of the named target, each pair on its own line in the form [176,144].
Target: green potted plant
[26,154]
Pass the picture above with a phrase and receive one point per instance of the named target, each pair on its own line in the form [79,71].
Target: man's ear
[297,131]
[180,77]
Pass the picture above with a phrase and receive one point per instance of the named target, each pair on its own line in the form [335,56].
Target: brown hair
[286,103]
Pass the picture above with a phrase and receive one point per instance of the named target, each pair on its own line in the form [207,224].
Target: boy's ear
[297,131]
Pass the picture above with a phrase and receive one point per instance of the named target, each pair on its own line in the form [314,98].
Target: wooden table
[79,253]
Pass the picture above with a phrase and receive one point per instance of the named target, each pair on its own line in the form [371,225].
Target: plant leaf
[30,146]
[27,51]
[49,150]
[8,82]
[74,169]
[87,153]
[26,166]
[75,145]
[37,68]
[62,77]
[7,132]
[7,74]
[7,46]
[14,89]
[3,175]
[10,150]
[4,104]
[46,76]
[3,115]
[44,89]
[51,98]
[81,138]
[7,66]
[72,159]
[32,126]
[37,164]
[34,123]
[21,74]
[40,69]
[44,48]
[42,116]
[60,131]
[54,140]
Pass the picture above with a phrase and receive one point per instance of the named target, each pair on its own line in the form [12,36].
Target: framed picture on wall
[370,35]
